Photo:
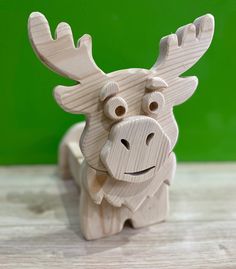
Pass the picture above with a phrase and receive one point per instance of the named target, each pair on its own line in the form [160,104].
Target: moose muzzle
[136,149]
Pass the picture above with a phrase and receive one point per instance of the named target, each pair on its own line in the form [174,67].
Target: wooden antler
[180,51]
[60,54]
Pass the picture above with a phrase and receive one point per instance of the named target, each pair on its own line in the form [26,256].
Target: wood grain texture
[178,52]
[66,152]
[108,200]
[127,148]
[61,54]
[39,225]
[124,161]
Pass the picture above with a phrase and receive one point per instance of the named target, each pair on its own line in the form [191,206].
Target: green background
[125,34]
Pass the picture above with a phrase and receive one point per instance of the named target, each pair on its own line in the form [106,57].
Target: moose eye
[115,108]
[153,102]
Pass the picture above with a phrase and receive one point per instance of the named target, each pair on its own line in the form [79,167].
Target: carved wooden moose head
[130,129]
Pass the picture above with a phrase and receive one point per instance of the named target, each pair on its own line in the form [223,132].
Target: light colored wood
[108,201]
[115,108]
[153,103]
[39,225]
[131,195]
[110,89]
[139,160]
[85,97]
[71,138]
[107,218]
[130,130]
[61,54]
[156,83]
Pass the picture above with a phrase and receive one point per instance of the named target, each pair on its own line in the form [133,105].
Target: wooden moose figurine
[122,158]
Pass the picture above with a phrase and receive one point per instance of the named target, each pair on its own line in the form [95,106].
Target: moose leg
[156,208]
[153,210]
[97,221]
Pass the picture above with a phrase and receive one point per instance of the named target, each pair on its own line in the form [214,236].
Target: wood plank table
[39,224]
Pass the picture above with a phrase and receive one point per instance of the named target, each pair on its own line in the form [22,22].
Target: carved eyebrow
[110,89]
[155,83]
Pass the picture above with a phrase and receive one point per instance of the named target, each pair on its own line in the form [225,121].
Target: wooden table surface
[39,224]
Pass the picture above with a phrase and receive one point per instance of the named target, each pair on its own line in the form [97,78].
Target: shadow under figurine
[122,158]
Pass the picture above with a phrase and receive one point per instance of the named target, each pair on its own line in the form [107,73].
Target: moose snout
[135,149]
[135,133]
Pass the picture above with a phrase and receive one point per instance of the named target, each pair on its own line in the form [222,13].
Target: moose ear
[182,90]
[177,92]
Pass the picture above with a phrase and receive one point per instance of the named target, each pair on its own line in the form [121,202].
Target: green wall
[125,34]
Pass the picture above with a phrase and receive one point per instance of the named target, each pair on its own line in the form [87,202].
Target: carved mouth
[140,172]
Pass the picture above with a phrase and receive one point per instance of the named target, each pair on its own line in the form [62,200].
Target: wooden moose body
[122,158]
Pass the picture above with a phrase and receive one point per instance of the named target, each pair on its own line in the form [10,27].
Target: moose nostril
[149,138]
[125,143]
